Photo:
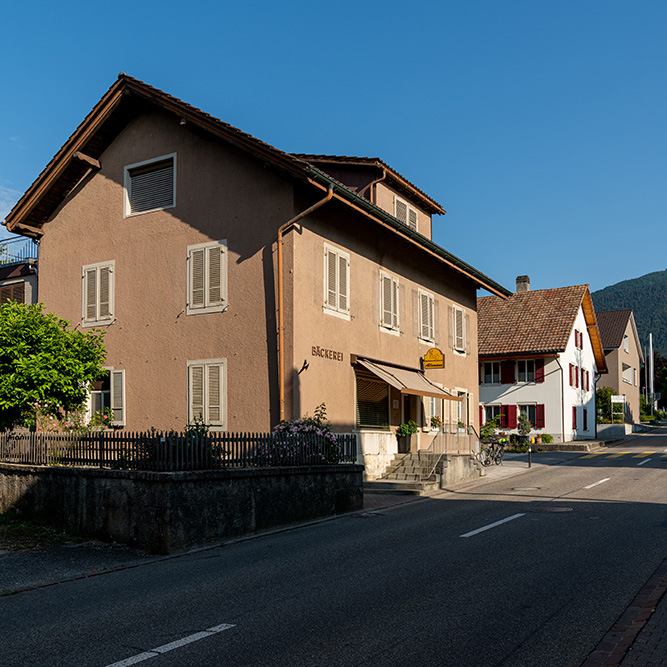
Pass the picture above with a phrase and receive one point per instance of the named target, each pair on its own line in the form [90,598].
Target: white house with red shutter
[540,352]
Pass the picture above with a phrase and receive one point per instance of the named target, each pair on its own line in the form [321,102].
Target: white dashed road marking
[602,481]
[492,525]
[165,648]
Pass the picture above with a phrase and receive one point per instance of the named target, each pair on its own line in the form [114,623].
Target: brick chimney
[522,284]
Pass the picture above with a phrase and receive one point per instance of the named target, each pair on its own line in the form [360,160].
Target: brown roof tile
[612,324]
[528,322]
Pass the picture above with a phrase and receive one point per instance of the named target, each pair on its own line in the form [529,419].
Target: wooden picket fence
[170,452]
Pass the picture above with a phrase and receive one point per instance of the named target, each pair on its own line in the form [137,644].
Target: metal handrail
[17,251]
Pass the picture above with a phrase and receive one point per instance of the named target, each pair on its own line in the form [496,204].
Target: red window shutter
[481,415]
[583,378]
[576,377]
[539,370]
[571,367]
[574,417]
[588,381]
[539,416]
[511,416]
[507,372]
[585,419]
[503,416]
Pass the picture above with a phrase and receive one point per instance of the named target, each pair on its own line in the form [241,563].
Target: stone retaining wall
[168,512]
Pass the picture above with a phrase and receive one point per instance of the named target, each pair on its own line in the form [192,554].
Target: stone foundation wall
[169,512]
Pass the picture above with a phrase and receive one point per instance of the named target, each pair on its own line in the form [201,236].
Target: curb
[614,646]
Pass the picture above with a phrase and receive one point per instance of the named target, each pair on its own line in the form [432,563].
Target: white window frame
[116,399]
[410,213]
[459,342]
[127,182]
[336,300]
[526,372]
[626,343]
[389,316]
[99,318]
[527,407]
[206,364]
[210,303]
[492,375]
[426,319]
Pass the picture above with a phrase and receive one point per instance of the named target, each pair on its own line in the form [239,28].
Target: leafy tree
[603,403]
[43,364]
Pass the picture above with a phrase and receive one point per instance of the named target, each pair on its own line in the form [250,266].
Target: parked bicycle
[493,451]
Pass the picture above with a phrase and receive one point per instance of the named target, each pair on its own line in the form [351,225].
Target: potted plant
[524,427]
[404,433]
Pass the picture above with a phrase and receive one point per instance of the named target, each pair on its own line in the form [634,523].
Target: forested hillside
[647,296]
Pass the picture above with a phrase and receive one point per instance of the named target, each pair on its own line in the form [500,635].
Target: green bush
[547,439]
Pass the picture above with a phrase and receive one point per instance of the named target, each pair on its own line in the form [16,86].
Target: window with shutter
[507,372]
[118,397]
[459,333]
[585,415]
[97,294]
[12,292]
[426,316]
[206,392]
[372,402]
[337,282]
[539,416]
[207,278]
[150,185]
[404,213]
[389,301]
[511,416]
[574,417]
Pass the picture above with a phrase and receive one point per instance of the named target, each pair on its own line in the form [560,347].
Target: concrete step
[401,487]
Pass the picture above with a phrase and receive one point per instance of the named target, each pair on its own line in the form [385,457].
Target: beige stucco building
[242,284]
[624,357]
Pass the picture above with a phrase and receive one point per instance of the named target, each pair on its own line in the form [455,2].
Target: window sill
[204,311]
[100,323]
[387,330]
[336,313]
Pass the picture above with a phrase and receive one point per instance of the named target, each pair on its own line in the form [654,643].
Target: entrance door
[404,442]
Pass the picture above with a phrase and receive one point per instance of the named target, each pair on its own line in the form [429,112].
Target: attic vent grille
[151,186]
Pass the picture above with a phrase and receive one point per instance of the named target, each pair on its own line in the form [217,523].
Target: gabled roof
[128,98]
[392,176]
[535,322]
[613,325]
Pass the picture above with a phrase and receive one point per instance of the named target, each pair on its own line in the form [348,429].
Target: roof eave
[357,201]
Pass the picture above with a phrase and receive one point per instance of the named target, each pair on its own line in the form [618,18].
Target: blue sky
[540,127]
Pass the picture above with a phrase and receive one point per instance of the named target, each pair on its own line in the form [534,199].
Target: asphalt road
[563,551]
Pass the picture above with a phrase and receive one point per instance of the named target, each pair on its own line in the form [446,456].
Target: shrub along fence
[173,452]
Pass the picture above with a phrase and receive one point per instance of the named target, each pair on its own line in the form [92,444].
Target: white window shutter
[401,210]
[394,302]
[213,395]
[342,283]
[423,313]
[196,391]
[332,291]
[214,276]
[90,297]
[104,292]
[412,219]
[386,301]
[459,328]
[197,285]
[118,397]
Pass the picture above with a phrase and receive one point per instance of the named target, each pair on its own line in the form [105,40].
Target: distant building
[18,270]
[540,353]
[624,357]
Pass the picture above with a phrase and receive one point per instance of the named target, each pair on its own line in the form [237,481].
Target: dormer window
[404,213]
[150,185]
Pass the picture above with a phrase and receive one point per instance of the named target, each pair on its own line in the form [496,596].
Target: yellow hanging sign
[434,358]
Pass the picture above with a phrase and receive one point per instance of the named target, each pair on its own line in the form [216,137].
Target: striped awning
[407,381]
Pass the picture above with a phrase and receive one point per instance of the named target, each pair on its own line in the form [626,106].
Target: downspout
[562,401]
[281,334]
[371,187]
